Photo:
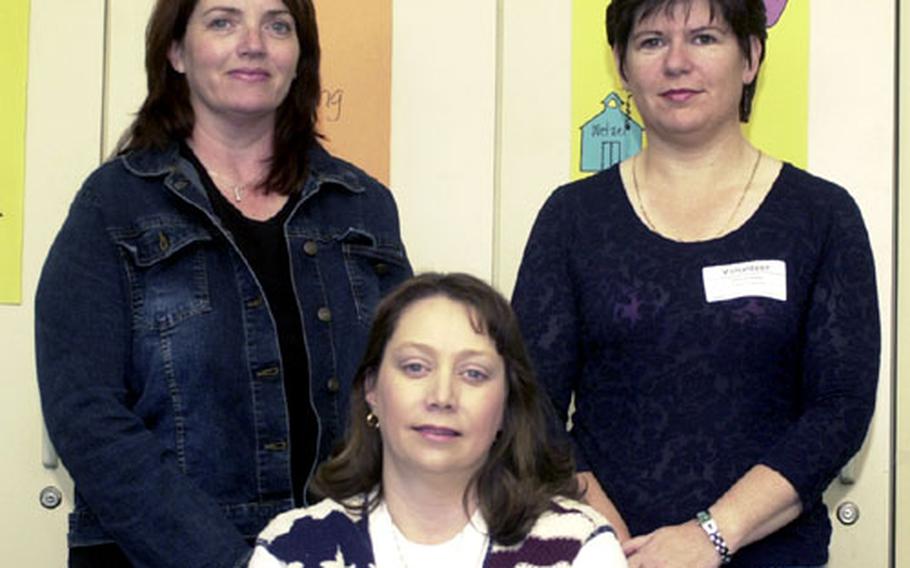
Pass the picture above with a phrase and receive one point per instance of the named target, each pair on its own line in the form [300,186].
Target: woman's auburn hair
[166,115]
[528,464]
[747,19]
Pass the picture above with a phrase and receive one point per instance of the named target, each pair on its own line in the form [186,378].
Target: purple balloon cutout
[774,8]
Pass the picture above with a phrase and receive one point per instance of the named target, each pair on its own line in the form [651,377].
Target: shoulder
[568,520]
[577,207]
[568,517]
[560,534]
[598,189]
[327,168]
[324,534]
[814,192]
[128,172]
[330,514]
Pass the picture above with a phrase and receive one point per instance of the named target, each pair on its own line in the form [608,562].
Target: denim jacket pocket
[165,262]
[373,267]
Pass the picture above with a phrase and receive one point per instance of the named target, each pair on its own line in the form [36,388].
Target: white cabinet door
[66,49]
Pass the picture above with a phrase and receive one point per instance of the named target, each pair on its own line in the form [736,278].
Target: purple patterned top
[677,397]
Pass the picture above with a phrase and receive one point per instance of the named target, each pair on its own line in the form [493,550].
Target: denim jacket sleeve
[157,515]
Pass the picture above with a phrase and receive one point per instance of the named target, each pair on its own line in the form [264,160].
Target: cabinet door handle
[49,458]
[848,473]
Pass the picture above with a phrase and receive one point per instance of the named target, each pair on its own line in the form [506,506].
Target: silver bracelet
[708,525]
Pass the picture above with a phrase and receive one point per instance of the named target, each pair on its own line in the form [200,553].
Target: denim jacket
[158,361]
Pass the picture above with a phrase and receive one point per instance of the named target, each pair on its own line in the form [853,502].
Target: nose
[251,41]
[442,391]
[677,60]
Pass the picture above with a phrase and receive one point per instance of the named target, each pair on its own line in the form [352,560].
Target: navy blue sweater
[677,396]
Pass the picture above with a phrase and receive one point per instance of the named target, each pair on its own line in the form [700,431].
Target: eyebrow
[711,27]
[233,10]
[701,29]
[429,349]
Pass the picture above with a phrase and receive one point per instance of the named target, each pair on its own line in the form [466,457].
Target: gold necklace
[739,202]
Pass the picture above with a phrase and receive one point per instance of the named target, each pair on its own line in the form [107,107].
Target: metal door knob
[50,497]
[847,513]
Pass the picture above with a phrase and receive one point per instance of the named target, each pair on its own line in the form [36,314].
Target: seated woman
[447,459]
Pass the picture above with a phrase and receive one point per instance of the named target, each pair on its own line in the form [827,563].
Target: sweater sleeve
[840,359]
[544,302]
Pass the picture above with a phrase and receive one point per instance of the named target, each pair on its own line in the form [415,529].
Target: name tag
[765,278]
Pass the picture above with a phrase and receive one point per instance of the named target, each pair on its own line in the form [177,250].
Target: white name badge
[765,278]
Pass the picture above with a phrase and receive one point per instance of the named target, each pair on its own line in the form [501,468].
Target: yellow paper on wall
[355,111]
[14,62]
[601,133]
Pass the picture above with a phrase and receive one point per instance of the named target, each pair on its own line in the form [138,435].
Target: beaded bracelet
[708,525]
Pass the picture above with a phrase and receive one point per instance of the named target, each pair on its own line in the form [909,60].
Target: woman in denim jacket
[203,309]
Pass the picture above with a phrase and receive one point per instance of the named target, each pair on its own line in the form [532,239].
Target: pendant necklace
[238,189]
[739,202]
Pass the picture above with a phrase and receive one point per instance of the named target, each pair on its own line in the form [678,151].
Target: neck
[236,147]
[695,169]
[427,511]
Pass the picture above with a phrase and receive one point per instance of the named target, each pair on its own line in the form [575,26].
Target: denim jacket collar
[323,169]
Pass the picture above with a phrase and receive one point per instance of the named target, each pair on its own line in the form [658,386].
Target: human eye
[650,42]
[219,23]
[475,374]
[704,39]
[281,27]
[413,368]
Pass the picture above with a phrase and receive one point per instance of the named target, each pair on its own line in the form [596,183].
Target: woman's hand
[676,546]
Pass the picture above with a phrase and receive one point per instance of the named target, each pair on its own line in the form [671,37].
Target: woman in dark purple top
[712,310]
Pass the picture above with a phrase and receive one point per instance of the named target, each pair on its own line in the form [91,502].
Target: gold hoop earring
[372,420]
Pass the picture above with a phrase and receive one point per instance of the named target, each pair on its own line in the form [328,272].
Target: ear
[619,71]
[175,56]
[751,68]
[369,389]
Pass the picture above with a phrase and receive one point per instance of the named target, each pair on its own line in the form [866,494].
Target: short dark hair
[746,18]
[527,465]
[166,115]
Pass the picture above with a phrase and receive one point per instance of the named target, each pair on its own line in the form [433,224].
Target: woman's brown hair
[527,464]
[166,115]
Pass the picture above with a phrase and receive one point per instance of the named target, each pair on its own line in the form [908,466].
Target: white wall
[443,127]
[63,142]
[902,461]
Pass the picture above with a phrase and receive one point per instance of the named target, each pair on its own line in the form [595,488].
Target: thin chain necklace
[238,189]
[397,535]
[739,202]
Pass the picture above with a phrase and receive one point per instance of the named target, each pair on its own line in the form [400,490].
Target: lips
[250,74]
[679,95]
[437,432]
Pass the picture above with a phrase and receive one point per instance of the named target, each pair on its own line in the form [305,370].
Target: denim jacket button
[381,268]
[255,302]
[310,248]
[324,315]
[163,242]
[279,446]
[268,372]
[333,385]
[181,184]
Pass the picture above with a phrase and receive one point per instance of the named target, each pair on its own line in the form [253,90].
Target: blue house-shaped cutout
[610,137]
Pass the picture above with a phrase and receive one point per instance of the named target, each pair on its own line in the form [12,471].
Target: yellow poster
[355,111]
[14,62]
[602,135]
